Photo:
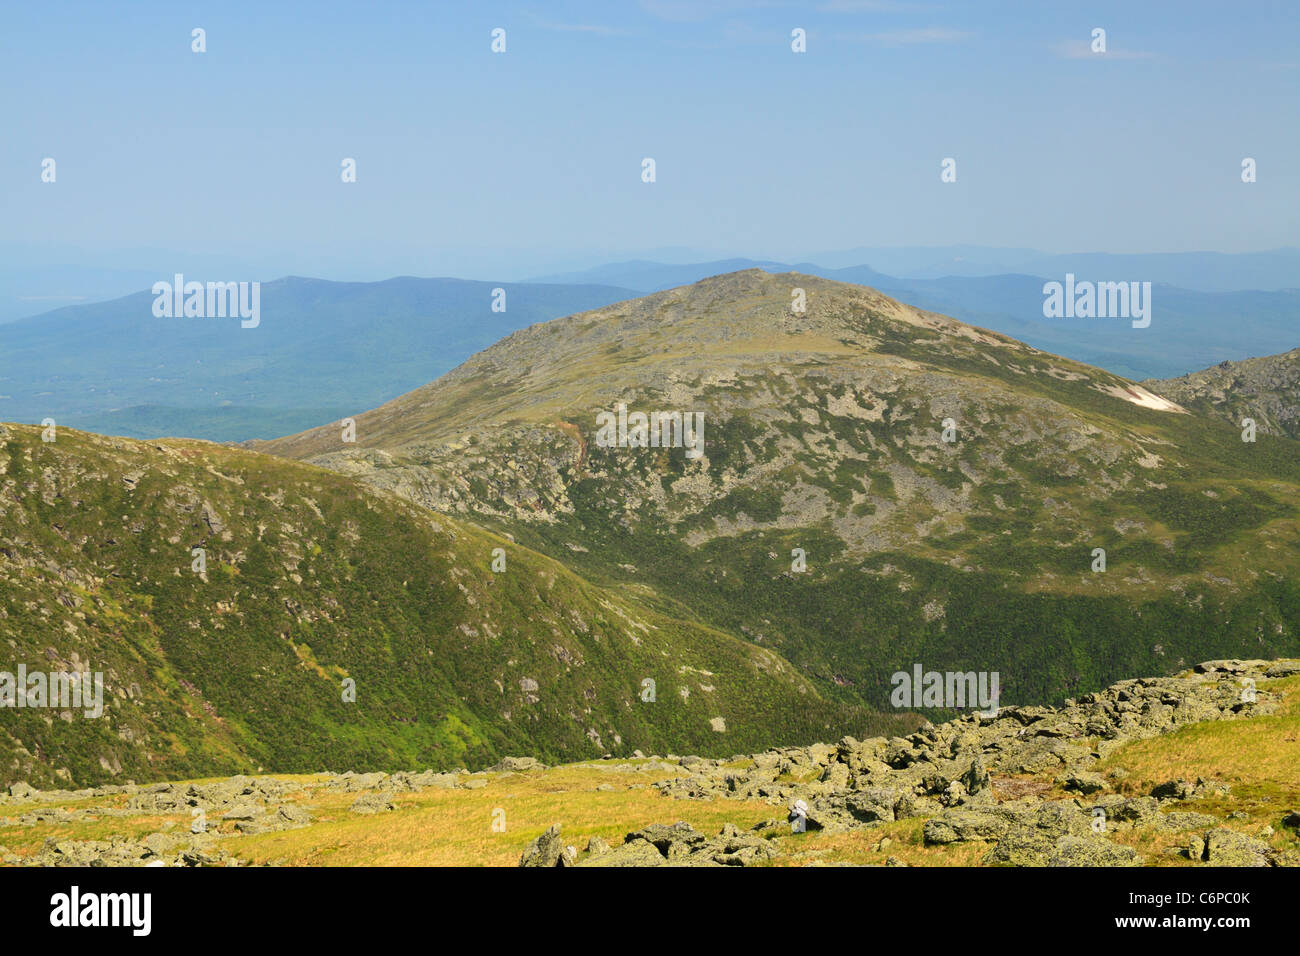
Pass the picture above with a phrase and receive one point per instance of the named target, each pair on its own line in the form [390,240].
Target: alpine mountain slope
[877,488]
[240,612]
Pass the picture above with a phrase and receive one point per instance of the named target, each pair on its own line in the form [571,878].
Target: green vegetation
[971,554]
[311,580]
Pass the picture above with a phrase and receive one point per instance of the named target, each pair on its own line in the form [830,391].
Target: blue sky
[472,163]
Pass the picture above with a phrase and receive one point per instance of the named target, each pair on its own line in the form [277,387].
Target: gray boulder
[635,852]
[369,803]
[517,765]
[546,850]
[1224,847]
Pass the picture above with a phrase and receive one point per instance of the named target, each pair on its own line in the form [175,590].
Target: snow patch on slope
[1143,397]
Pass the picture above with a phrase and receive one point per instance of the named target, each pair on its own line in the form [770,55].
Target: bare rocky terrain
[1266,389]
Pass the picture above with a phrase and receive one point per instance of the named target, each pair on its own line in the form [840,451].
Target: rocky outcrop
[1055,833]
[222,795]
[372,803]
[947,766]
[157,849]
[1225,847]
[945,773]
[517,765]
[656,845]
[546,850]
[1266,389]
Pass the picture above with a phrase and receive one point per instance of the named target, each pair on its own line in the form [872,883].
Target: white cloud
[922,35]
[580,28]
[1082,50]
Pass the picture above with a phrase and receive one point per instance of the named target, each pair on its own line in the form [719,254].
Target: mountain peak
[722,329]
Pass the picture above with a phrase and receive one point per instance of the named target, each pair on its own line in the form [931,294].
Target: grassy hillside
[312,580]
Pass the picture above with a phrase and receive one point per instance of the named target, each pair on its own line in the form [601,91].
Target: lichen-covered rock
[546,850]
[1186,820]
[1081,851]
[372,803]
[635,852]
[1225,847]
[518,765]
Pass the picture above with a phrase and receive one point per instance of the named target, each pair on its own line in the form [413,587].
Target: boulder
[960,826]
[1082,851]
[1173,790]
[546,850]
[1185,820]
[636,852]
[372,803]
[442,781]
[1132,811]
[664,837]
[518,765]
[243,811]
[1224,847]
[1085,784]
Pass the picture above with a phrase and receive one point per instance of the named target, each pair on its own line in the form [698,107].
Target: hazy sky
[474,161]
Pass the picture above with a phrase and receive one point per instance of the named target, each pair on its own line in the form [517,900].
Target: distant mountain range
[330,349]
[37,277]
[322,350]
[1198,271]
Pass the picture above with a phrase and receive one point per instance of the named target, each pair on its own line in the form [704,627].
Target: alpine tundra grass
[1234,781]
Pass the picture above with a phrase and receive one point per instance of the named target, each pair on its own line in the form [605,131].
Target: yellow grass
[1258,758]
[454,827]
